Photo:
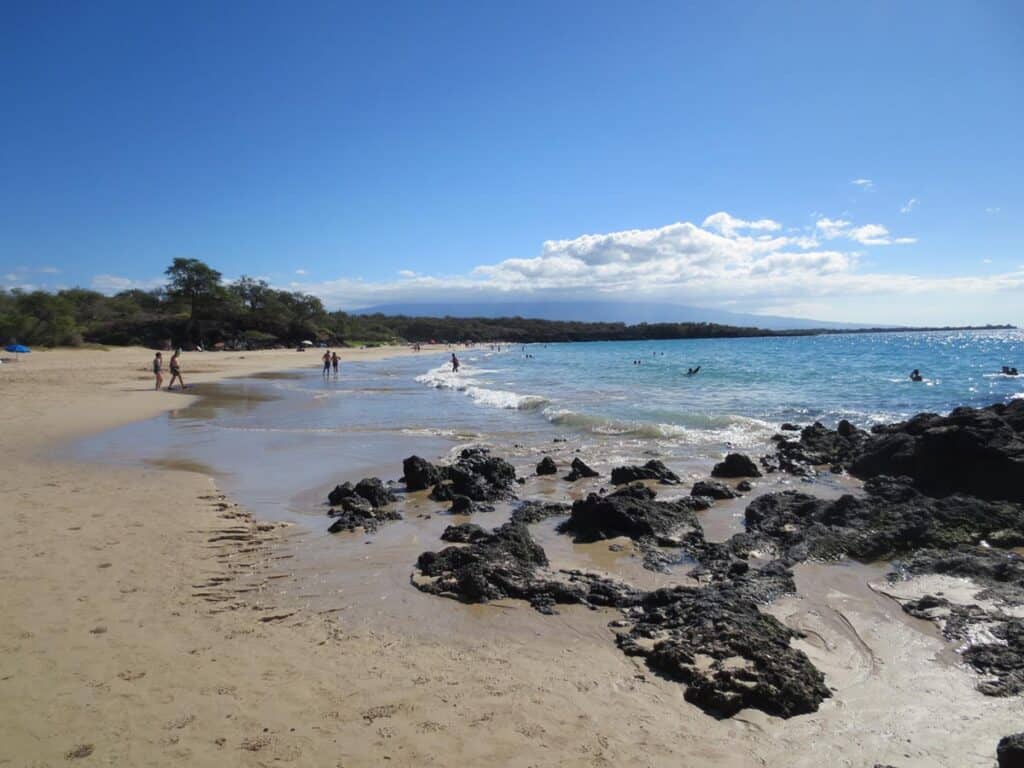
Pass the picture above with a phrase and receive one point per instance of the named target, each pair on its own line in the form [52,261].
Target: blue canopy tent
[17,349]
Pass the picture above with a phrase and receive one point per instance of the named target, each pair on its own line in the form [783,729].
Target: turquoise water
[744,384]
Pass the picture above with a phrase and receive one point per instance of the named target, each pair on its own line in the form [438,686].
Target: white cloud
[911,204]
[986,261]
[717,264]
[300,272]
[993,210]
[11,277]
[830,229]
[111,284]
[747,265]
[863,183]
[728,225]
[866,234]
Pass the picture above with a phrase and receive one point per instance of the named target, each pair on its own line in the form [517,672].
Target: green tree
[252,292]
[199,285]
[193,281]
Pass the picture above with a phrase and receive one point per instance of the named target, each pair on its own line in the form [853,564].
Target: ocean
[277,442]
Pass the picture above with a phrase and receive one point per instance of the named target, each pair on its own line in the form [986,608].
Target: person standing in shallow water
[158,369]
[327,362]
[334,363]
[455,363]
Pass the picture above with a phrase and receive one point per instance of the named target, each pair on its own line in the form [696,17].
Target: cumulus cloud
[866,234]
[752,265]
[863,183]
[726,261]
[300,272]
[993,210]
[911,204]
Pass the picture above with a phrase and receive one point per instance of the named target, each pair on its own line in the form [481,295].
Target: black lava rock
[713,490]
[652,470]
[534,511]
[508,563]
[477,475]
[633,512]
[420,474]
[736,465]
[729,654]
[369,488]
[579,469]
[547,466]
[1010,751]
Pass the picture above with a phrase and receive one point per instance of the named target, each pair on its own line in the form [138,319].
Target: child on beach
[327,362]
[175,371]
[158,367]
[455,363]
[334,363]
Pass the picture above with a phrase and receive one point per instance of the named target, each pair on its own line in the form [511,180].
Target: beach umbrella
[307,343]
[17,349]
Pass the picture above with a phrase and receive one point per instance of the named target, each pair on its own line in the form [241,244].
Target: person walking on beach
[158,369]
[455,363]
[327,362]
[175,371]
[334,363]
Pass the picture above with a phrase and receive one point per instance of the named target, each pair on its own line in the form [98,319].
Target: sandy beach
[143,625]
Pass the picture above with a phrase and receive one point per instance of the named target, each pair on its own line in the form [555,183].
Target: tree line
[197,308]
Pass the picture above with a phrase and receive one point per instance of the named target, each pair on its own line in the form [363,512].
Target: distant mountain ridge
[600,311]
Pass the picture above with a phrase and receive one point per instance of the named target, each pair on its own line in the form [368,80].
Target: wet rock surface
[713,490]
[817,445]
[463,505]
[736,465]
[652,470]
[529,512]
[729,654]
[547,466]
[371,489]
[419,474]
[973,451]
[892,518]
[579,470]
[369,519]
[477,475]
[632,511]
[509,563]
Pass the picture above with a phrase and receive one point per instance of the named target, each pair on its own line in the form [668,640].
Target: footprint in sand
[79,751]
[130,676]
[180,722]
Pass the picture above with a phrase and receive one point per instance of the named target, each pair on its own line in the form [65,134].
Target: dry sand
[141,626]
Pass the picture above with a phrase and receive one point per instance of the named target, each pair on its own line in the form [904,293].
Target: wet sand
[150,621]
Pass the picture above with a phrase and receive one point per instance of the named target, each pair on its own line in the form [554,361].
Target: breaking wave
[442,377]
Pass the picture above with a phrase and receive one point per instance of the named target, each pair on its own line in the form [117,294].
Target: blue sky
[866,157]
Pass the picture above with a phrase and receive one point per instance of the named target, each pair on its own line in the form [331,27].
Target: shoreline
[114,652]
